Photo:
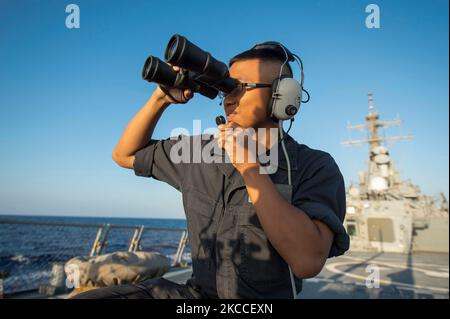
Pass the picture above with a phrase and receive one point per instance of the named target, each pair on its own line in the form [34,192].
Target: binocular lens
[148,69]
[171,47]
[157,71]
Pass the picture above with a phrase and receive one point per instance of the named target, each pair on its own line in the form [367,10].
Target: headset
[286,95]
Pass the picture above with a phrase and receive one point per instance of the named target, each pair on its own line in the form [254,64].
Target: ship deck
[419,275]
[401,276]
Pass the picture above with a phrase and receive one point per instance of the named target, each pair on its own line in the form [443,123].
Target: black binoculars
[201,72]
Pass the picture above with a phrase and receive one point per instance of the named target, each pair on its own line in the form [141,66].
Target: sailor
[250,236]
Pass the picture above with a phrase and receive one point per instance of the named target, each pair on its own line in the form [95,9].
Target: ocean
[28,251]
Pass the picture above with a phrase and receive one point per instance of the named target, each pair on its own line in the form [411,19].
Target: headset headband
[276,47]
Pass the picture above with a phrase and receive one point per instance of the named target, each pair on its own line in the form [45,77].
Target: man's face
[248,108]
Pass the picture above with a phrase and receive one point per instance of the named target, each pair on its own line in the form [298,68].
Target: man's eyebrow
[239,78]
[242,79]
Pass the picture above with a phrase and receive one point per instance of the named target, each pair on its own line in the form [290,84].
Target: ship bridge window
[352,227]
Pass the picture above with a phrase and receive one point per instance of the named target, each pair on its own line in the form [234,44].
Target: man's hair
[263,54]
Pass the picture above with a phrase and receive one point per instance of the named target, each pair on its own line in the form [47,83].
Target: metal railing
[29,249]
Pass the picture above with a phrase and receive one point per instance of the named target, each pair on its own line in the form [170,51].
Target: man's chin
[238,123]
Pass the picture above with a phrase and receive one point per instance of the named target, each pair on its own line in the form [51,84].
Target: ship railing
[30,249]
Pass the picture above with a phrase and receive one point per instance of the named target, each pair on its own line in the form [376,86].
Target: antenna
[372,125]
[370,102]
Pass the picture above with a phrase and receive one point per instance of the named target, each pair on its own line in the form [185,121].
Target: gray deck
[421,275]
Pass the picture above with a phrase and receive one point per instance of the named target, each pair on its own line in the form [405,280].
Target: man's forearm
[139,130]
[292,233]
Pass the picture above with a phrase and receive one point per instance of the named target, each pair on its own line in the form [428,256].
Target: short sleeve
[321,195]
[161,160]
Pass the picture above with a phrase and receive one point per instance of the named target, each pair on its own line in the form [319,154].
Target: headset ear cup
[286,98]
[272,103]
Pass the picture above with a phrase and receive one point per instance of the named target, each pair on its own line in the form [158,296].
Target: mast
[371,126]
[381,174]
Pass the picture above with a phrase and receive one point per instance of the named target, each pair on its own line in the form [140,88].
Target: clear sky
[66,95]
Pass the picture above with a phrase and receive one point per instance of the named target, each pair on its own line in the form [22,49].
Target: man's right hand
[173,95]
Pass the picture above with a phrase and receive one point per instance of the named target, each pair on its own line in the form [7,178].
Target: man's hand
[173,95]
[240,146]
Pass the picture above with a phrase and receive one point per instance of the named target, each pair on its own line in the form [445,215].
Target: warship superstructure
[386,213]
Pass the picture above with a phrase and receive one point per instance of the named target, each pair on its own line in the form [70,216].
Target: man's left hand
[240,145]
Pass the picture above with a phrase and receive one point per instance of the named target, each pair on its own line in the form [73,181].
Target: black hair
[263,54]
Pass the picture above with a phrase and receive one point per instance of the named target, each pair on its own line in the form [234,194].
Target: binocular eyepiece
[201,73]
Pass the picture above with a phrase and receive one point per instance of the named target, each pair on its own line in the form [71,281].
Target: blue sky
[67,95]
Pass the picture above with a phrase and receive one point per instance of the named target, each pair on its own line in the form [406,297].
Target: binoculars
[201,72]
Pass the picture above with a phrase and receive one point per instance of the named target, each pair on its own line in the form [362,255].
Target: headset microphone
[220,120]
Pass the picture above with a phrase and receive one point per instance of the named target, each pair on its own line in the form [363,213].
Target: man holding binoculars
[252,235]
